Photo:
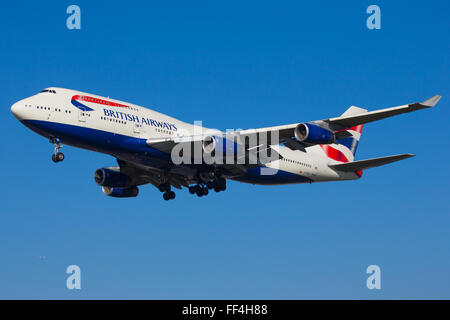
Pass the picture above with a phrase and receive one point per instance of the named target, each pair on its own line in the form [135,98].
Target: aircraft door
[81,115]
[137,125]
[137,128]
[315,167]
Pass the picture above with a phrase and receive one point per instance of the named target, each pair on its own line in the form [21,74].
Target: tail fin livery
[351,142]
[345,148]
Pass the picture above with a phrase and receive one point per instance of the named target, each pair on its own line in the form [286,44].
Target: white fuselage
[107,125]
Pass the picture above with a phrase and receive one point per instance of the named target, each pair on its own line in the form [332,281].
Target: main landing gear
[201,190]
[168,194]
[57,156]
[219,184]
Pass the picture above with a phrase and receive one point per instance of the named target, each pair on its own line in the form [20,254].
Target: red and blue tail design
[352,142]
[344,149]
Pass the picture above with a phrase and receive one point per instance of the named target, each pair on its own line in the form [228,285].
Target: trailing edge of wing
[354,120]
[369,163]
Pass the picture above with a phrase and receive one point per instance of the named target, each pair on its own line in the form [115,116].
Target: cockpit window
[49,91]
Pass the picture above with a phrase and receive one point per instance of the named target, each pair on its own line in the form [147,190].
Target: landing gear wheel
[210,185]
[58,157]
[192,189]
[221,181]
[199,192]
[169,195]
[220,185]
[164,187]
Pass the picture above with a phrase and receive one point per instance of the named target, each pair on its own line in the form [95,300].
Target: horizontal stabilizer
[369,163]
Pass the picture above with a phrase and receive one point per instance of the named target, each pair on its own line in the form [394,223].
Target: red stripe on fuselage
[99,101]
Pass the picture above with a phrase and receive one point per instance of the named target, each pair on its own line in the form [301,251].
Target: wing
[260,151]
[167,144]
[354,120]
[144,175]
[352,117]
[245,154]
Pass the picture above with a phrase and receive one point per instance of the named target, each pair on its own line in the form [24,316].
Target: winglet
[432,101]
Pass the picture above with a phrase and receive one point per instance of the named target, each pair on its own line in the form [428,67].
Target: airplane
[144,143]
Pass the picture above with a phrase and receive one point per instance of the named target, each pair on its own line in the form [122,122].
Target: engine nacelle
[121,192]
[219,145]
[111,177]
[311,133]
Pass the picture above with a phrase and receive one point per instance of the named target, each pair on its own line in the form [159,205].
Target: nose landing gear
[57,156]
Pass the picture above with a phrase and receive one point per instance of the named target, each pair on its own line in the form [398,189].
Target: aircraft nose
[16,109]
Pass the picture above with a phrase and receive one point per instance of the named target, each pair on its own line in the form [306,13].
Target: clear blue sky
[231,64]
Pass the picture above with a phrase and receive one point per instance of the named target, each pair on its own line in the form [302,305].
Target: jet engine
[219,145]
[111,177]
[311,133]
[121,192]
